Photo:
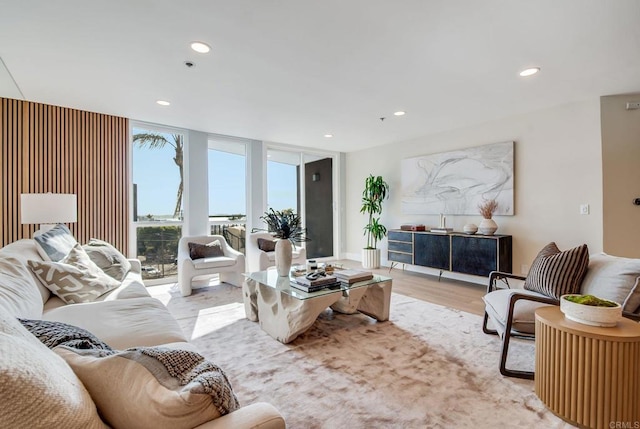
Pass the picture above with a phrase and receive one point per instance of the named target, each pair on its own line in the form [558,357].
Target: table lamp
[48,209]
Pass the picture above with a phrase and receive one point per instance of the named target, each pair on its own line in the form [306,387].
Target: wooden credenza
[457,252]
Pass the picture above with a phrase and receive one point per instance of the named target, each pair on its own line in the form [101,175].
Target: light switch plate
[584,209]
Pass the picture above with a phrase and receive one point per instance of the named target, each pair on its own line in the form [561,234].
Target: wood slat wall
[55,149]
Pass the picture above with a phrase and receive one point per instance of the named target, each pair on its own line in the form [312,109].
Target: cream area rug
[427,367]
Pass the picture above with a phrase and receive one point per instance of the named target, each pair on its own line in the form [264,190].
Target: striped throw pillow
[555,273]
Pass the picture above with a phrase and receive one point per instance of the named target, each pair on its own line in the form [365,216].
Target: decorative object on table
[591,310]
[475,173]
[375,191]
[413,227]
[487,226]
[312,265]
[286,226]
[442,226]
[470,228]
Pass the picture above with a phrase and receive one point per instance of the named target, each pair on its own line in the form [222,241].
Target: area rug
[427,367]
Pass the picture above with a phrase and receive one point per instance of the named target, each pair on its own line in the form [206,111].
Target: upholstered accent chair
[229,264]
[260,260]
[510,309]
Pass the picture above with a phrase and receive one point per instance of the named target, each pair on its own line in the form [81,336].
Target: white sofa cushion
[37,388]
[19,294]
[613,278]
[26,250]
[55,244]
[122,323]
[75,279]
[154,387]
[216,262]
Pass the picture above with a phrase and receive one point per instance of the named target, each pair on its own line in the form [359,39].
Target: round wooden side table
[589,376]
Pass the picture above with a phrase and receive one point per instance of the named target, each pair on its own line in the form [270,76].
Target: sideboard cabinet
[457,252]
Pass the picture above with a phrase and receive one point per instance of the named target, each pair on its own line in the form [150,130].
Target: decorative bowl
[470,228]
[590,314]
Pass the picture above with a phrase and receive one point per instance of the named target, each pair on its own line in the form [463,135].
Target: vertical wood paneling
[55,149]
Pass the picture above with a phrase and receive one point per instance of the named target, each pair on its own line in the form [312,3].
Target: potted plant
[286,226]
[375,191]
[487,226]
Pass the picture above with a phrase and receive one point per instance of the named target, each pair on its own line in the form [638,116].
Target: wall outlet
[584,209]
[524,269]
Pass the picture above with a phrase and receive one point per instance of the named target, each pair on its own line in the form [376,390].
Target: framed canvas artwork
[454,183]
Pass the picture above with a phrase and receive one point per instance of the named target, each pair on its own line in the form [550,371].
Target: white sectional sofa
[123,318]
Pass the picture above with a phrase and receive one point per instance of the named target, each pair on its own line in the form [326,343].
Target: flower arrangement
[487,208]
[285,224]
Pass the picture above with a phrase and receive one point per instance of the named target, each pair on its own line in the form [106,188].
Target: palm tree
[158,141]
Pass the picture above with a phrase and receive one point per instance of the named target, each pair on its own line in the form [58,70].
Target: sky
[157,180]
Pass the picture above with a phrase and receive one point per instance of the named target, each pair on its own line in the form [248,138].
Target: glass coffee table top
[270,278]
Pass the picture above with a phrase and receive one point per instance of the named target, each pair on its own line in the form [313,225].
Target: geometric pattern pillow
[108,258]
[555,273]
[56,243]
[210,250]
[152,387]
[266,245]
[75,279]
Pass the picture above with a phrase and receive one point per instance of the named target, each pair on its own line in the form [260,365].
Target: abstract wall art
[456,182]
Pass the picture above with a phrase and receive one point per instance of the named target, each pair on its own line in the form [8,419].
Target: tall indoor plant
[375,191]
[286,226]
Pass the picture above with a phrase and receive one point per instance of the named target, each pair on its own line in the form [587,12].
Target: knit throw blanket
[188,368]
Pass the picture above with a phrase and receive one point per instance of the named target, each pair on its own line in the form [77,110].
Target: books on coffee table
[352,276]
[316,288]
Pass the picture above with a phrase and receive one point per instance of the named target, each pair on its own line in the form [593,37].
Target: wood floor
[447,292]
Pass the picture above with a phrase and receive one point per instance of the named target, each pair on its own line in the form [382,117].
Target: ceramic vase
[283,257]
[487,227]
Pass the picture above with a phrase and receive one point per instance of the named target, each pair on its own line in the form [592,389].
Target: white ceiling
[290,71]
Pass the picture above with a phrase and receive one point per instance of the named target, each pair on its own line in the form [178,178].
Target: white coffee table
[285,312]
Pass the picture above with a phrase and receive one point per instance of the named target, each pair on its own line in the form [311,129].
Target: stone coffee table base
[285,317]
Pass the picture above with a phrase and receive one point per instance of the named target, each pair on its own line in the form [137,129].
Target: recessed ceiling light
[529,72]
[163,102]
[399,113]
[328,135]
[200,47]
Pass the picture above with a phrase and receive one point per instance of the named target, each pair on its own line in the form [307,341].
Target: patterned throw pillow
[152,387]
[108,258]
[266,245]
[56,243]
[209,250]
[75,279]
[555,273]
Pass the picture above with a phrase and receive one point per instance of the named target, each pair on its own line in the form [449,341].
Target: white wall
[196,185]
[557,167]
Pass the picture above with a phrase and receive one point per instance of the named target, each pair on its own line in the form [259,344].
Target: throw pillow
[53,334]
[56,243]
[555,273]
[75,279]
[613,278]
[108,258]
[266,245]
[209,250]
[155,387]
[37,388]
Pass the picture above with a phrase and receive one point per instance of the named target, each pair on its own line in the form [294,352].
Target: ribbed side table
[587,375]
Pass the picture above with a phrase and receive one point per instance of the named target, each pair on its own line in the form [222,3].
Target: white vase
[487,227]
[283,257]
[370,258]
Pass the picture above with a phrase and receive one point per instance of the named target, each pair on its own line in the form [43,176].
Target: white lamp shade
[48,208]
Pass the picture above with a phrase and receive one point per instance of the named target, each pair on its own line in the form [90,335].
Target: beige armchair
[259,260]
[230,266]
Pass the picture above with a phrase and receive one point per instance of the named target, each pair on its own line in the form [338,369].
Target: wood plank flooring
[447,292]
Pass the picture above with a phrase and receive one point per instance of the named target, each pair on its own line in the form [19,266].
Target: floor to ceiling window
[227,191]
[157,157]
